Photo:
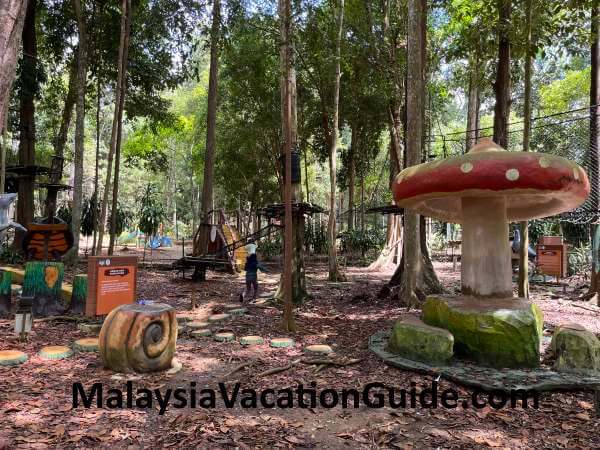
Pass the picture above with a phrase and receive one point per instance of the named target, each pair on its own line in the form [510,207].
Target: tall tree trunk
[351,178]
[25,204]
[414,104]
[502,85]
[524,247]
[115,124]
[473,104]
[63,132]
[211,125]
[289,134]
[285,17]
[115,192]
[12,18]
[334,272]
[79,128]
[96,167]
[595,141]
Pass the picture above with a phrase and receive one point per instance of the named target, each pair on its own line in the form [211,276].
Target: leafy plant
[361,241]
[124,219]
[89,215]
[64,213]
[152,212]
[438,241]
[315,237]
[580,260]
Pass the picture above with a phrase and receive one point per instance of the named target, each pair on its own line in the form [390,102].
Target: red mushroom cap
[535,185]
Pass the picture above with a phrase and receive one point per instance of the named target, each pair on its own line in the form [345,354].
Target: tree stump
[43,281]
[139,338]
[79,294]
[5,293]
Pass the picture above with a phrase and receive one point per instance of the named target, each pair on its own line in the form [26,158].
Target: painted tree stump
[55,352]
[139,338]
[43,281]
[79,294]
[5,293]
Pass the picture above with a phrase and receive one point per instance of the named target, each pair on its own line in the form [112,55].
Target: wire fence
[565,134]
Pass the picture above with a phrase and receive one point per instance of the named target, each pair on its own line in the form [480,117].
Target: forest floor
[36,397]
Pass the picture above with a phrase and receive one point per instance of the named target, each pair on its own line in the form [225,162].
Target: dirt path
[36,397]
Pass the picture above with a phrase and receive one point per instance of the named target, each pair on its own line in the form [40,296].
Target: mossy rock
[252,340]
[319,349]
[238,311]
[12,357]
[196,325]
[55,352]
[86,345]
[201,333]
[90,328]
[219,317]
[224,337]
[282,342]
[412,339]
[497,332]
[575,349]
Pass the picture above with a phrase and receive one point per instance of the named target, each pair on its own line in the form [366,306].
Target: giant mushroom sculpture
[484,190]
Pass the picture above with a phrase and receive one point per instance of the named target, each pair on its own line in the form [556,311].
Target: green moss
[494,332]
[412,339]
[35,279]
[79,294]
[575,349]
[5,282]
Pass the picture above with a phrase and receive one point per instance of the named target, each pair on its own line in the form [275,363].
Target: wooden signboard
[111,282]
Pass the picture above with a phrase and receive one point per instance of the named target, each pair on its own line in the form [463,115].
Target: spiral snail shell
[139,338]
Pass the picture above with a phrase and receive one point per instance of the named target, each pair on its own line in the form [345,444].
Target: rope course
[565,134]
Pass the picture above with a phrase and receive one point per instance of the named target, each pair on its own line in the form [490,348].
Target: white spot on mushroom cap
[544,162]
[466,167]
[512,174]
[576,173]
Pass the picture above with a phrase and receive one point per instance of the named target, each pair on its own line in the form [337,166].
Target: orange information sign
[112,282]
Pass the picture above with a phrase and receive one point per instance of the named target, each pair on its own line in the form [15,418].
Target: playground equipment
[49,237]
[483,190]
[226,249]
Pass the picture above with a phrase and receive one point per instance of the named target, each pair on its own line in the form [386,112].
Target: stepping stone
[182,318]
[251,340]
[575,349]
[12,357]
[230,306]
[86,345]
[196,325]
[224,337]
[55,352]
[320,349]
[201,333]
[238,311]
[90,327]
[282,342]
[218,317]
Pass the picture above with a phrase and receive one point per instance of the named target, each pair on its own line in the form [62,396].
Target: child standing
[252,267]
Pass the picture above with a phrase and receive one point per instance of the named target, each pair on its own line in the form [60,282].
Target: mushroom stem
[485,261]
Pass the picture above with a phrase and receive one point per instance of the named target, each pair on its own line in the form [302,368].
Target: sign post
[112,282]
